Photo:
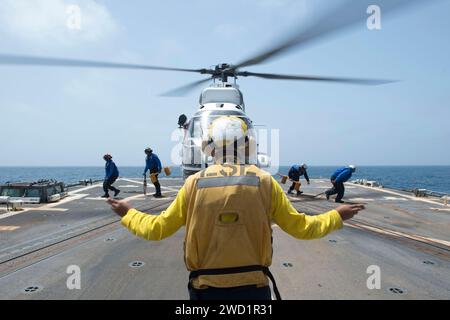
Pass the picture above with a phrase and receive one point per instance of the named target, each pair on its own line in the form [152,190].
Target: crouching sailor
[228,209]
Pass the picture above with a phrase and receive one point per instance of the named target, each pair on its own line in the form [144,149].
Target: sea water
[435,178]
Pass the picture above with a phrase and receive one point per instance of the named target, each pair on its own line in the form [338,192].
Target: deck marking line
[400,195]
[440,209]
[361,199]
[97,198]
[140,182]
[132,181]
[397,233]
[74,197]
[395,198]
[9,228]
[85,188]
[48,209]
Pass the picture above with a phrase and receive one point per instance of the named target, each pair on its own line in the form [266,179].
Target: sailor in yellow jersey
[227,210]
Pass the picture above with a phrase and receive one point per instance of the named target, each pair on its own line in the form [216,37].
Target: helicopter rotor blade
[330,23]
[58,62]
[183,90]
[274,76]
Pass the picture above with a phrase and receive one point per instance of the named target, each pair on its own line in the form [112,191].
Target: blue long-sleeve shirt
[111,169]
[296,172]
[152,163]
[342,175]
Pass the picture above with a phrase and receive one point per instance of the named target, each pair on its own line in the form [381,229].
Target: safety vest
[228,241]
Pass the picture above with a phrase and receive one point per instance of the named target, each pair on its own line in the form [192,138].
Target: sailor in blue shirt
[338,178]
[111,175]
[153,164]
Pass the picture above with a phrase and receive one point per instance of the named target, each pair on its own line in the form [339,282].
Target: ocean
[434,178]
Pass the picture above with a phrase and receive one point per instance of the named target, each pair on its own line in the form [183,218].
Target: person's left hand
[120,207]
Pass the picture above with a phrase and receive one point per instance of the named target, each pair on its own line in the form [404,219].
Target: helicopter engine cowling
[226,94]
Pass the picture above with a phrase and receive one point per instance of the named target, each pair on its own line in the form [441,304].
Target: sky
[72,116]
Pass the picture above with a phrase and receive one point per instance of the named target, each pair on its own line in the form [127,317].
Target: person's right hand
[121,207]
[348,211]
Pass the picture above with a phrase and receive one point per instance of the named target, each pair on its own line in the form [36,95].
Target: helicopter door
[192,154]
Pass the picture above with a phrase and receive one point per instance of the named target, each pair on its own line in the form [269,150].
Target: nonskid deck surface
[406,237]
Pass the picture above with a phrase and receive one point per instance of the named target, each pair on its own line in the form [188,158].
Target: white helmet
[304,166]
[229,138]
[352,167]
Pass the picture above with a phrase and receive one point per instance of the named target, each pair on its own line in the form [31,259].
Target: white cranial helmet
[229,137]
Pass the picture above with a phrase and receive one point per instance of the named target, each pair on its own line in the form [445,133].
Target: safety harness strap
[206,272]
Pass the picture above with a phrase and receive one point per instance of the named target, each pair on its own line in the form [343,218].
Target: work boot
[105,196]
[157,195]
[339,201]
[299,193]
[289,191]
[116,192]
[328,196]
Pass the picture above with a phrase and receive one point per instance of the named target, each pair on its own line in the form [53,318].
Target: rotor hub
[223,71]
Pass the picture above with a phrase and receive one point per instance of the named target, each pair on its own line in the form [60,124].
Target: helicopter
[224,97]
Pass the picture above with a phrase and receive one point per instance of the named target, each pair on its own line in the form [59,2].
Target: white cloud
[47,21]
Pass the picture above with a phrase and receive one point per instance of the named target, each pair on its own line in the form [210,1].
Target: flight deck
[406,237]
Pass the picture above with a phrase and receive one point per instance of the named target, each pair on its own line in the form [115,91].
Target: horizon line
[283,165]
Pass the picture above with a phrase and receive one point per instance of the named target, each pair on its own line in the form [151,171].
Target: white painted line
[161,199]
[65,200]
[133,181]
[9,228]
[45,207]
[440,209]
[12,213]
[397,233]
[128,186]
[134,197]
[170,189]
[150,185]
[85,188]
[48,209]
[395,198]
[361,199]
[401,195]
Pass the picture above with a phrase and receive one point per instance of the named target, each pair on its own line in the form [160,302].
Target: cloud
[56,21]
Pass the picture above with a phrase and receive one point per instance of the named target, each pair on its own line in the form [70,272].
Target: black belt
[209,272]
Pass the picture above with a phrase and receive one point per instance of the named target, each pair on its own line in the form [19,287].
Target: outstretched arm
[152,227]
[302,226]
